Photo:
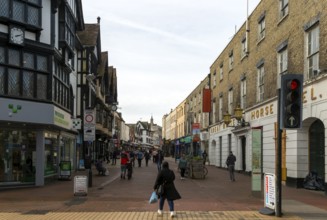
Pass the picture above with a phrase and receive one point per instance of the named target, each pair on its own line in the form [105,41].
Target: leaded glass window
[18,11]
[36,2]
[33,15]
[28,84]
[28,60]
[4,8]
[13,57]
[2,54]
[2,80]
[41,86]
[28,11]
[13,82]
[19,78]
[42,63]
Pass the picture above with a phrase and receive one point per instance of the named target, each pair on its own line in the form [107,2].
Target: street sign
[89,125]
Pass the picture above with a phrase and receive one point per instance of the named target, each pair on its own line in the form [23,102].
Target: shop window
[50,155]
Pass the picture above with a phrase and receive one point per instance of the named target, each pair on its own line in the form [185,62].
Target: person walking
[140,158]
[204,156]
[147,157]
[132,157]
[160,158]
[107,156]
[123,164]
[182,165]
[230,162]
[114,157]
[166,176]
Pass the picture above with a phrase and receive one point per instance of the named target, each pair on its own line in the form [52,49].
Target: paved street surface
[111,197]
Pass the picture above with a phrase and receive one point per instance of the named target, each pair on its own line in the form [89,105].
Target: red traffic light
[293,84]
[291,101]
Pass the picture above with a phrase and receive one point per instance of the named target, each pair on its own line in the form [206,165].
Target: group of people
[128,158]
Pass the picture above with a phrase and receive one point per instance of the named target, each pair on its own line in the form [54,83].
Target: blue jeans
[162,202]
[159,166]
[231,172]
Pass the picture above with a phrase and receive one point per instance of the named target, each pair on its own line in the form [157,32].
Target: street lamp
[238,115]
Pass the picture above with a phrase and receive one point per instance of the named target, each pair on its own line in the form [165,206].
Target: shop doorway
[243,149]
[220,151]
[317,148]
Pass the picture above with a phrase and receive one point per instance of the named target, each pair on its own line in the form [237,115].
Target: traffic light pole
[278,158]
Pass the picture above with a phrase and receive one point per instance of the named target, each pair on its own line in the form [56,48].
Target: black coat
[170,192]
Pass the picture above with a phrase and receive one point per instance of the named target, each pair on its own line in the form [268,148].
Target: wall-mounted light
[238,115]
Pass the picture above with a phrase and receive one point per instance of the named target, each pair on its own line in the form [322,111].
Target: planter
[196,169]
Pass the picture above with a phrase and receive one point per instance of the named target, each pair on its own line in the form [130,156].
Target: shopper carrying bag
[166,176]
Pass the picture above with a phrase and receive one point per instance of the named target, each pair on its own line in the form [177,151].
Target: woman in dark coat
[167,176]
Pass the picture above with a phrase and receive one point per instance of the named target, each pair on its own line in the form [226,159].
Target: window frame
[231,101]
[220,110]
[23,88]
[243,47]
[312,51]
[283,8]
[243,93]
[231,61]
[214,79]
[262,28]
[221,72]
[282,61]
[25,12]
[260,83]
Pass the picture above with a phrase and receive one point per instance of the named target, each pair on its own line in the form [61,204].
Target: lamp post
[91,86]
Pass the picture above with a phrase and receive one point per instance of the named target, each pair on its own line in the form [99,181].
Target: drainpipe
[247,28]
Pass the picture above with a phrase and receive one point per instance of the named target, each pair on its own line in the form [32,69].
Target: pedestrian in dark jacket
[160,158]
[230,162]
[147,157]
[167,177]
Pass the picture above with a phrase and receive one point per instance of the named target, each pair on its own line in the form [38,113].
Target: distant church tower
[151,121]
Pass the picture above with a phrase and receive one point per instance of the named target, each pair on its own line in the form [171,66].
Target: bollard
[90,177]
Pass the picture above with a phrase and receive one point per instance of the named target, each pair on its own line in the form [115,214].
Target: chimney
[98,18]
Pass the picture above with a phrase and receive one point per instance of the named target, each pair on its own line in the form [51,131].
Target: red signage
[206,100]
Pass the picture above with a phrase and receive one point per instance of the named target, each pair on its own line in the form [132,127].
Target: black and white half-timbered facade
[37,88]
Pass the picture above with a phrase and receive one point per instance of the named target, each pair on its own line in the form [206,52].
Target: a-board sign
[80,185]
[65,169]
[270,191]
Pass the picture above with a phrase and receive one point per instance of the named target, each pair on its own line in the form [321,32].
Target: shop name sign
[61,118]
[262,112]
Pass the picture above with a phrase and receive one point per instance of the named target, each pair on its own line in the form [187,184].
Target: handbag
[161,190]
[153,198]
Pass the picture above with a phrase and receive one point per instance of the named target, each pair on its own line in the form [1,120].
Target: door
[317,148]
[243,146]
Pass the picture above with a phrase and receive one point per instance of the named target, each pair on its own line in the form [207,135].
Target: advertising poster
[270,191]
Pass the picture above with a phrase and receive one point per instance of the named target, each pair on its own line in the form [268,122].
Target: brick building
[278,37]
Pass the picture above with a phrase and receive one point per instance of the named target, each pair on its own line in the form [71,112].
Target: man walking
[230,162]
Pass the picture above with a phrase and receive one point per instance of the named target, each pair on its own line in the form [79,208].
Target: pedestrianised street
[111,197]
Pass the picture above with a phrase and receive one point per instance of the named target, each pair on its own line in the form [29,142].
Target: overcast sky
[163,49]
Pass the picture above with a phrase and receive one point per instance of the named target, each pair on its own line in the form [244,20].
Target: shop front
[32,145]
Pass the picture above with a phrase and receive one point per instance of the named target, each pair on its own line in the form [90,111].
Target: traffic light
[291,101]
